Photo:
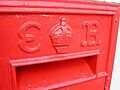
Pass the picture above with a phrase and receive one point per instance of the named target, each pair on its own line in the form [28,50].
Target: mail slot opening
[54,74]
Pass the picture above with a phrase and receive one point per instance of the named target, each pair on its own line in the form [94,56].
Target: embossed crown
[61,35]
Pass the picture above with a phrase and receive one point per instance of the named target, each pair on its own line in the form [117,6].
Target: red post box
[57,45]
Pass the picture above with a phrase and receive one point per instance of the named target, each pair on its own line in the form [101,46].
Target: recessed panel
[53,75]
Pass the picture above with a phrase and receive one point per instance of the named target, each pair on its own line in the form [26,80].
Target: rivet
[108,79]
[116,20]
[106,88]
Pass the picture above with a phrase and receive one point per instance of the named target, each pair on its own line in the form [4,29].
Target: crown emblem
[61,36]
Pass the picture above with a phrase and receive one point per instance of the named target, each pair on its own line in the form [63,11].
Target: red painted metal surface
[57,45]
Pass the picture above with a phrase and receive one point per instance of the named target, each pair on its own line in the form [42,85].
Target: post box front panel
[44,35]
[58,34]
[58,50]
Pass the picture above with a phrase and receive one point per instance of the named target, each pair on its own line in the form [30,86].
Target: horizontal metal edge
[20,6]
[68,83]
[53,58]
[53,11]
[101,74]
[73,82]
[99,6]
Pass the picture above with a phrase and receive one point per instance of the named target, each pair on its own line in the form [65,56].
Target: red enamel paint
[57,44]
